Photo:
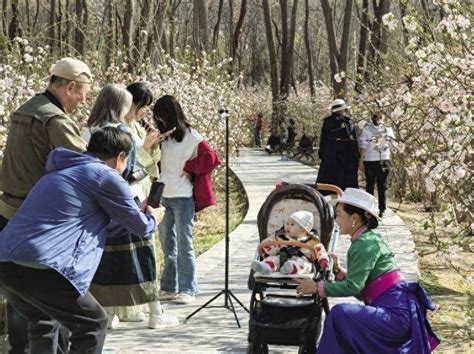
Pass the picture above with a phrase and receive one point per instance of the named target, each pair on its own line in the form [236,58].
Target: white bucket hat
[303,218]
[358,198]
[339,105]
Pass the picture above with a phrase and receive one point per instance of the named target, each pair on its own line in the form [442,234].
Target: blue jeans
[176,238]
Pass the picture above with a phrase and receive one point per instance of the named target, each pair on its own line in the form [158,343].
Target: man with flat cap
[37,127]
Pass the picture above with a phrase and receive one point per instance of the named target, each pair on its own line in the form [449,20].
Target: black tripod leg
[233,309]
[235,298]
[203,306]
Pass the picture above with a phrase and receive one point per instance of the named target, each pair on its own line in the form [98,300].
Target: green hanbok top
[368,258]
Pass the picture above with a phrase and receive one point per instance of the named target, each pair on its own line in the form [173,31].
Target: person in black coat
[338,149]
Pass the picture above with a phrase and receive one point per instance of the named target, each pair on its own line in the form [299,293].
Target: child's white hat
[303,218]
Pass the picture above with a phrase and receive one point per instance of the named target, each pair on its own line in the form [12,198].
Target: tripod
[226,292]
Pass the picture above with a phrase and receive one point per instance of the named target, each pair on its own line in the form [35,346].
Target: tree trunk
[290,49]
[14,29]
[338,58]
[378,39]
[285,61]
[127,32]
[215,35]
[344,48]
[154,39]
[36,15]
[139,45]
[364,26]
[273,61]
[109,37]
[238,30]
[231,25]
[201,38]
[52,25]
[307,43]
[403,13]
[4,17]
[333,52]
[172,34]
[27,14]
[85,22]
[59,24]
[67,31]
[79,34]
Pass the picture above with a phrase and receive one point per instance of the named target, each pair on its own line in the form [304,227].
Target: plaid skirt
[126,275]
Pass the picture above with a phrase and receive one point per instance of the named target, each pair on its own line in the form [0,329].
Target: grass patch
[453,296]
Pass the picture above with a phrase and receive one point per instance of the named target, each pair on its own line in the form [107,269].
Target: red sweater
[201,167]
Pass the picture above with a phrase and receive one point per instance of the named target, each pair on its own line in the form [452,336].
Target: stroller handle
[329,188]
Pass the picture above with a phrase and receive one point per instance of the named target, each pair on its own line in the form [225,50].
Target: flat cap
[72,69]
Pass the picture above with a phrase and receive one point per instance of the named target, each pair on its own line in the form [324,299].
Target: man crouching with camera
[50,249]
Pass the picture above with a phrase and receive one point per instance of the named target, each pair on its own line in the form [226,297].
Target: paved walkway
[214,330]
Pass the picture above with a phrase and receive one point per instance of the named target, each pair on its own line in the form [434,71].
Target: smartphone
[166,134]
[156,190]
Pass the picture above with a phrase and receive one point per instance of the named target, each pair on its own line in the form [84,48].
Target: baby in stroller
[294,249]
[278,316]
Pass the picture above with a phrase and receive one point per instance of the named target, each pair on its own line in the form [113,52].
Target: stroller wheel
[257,348]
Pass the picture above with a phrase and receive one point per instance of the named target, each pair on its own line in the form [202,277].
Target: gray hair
[111,106]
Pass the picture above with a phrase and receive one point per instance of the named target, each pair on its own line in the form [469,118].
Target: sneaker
[184,298]
[260,267]
[166,296]
[112,321]
[139,317]
[162,321]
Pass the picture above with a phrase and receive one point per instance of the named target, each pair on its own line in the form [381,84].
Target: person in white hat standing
[338,150]
[393,318]
[37,127]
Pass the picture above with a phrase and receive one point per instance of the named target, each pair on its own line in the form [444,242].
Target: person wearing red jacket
[185,156]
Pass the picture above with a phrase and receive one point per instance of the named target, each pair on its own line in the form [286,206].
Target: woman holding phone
[126,276]
[186,163]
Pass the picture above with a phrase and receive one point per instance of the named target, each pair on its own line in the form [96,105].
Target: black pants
[258,137]
[377,172]
[18,325]
[48,300]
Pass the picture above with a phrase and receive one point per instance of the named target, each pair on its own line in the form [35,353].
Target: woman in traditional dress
[393,319]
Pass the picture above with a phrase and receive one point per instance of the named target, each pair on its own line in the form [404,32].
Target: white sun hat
[358,198]
[339,105]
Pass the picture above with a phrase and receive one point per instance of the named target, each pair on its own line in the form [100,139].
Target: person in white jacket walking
[374,145]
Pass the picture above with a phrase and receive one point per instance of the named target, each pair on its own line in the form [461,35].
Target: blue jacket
[62,223]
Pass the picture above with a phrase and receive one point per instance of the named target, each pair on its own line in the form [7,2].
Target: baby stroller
[277,315]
